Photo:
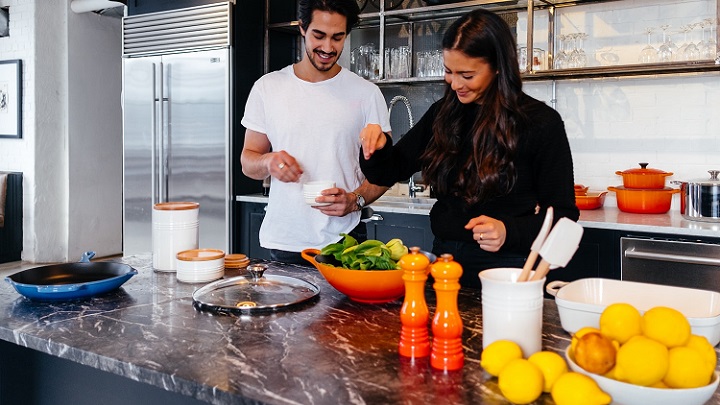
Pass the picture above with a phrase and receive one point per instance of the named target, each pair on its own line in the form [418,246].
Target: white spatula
[536,245]
[559,247]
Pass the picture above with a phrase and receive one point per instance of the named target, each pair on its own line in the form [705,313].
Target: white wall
[71,149]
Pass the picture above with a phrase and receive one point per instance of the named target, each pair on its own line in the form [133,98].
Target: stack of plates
[200,265]
[236,261]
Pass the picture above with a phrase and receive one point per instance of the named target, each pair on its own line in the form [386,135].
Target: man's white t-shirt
[319,125]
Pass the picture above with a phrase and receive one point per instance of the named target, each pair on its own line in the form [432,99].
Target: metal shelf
[588,73]
[381,19]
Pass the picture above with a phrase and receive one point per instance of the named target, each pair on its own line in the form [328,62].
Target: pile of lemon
[522,381]
[656,349]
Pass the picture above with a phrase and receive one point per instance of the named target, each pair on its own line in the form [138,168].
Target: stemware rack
[381,19]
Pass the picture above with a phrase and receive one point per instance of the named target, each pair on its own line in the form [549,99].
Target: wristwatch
[360,202]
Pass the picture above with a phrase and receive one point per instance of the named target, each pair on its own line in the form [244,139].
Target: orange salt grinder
[447,351]
[414,314]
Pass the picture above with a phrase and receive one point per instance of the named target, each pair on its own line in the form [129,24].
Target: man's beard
[321,67]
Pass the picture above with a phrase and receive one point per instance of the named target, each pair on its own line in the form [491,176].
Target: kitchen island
[147,333]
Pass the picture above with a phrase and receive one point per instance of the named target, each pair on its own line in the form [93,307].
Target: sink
[423,203]
[406,200]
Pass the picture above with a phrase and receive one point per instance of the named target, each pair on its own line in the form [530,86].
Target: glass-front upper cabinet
[399,41]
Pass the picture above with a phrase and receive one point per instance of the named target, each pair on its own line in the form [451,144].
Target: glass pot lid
[254,292]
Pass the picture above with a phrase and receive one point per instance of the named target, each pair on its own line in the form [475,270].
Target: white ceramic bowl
[200,265]
[630,394]
[580,303]
[313,189]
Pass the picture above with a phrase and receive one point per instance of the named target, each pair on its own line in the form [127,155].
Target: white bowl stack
[313,189]
[200,265]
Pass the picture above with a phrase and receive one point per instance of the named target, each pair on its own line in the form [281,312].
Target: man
[303,123]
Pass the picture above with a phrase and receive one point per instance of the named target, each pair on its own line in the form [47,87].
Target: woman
[495,157]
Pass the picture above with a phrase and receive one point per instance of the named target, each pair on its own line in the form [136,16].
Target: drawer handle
[376,217]
[664,257]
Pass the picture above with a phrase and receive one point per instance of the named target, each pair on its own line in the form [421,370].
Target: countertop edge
[608,218]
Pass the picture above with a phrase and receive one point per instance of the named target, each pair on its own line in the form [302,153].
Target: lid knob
[257,270]
[713,174]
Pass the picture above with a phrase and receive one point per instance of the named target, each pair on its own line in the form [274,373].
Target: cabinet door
[412,229]
[598,255]
[251,217]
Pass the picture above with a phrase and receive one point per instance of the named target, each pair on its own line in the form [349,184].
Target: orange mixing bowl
[366,286]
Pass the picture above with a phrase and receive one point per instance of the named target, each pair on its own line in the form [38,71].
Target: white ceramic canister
[175,228]
[200,265]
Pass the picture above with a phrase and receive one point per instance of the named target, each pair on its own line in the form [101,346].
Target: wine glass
[572,55]
[707,46]
[580,58]
[648,54]
[664,53]
[561,58]
[691,51]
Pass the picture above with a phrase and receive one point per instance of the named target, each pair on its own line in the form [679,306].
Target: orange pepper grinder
[414,314]
[447,351]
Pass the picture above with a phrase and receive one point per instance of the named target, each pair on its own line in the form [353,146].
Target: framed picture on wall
[11,98]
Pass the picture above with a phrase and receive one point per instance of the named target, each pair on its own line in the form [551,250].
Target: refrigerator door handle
[167,130]
[154,132]
[162,164]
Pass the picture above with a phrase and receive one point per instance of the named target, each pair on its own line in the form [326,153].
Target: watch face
[360,201]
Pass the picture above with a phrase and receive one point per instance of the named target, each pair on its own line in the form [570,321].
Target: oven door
[671,262]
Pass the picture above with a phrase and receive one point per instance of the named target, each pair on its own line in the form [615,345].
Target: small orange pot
[643,177]
[590,201]
[644,201]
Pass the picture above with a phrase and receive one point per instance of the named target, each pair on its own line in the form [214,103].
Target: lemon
[666,325]
[659,384]
[701,344]
[641,361]
[620,321]
[580,333]
[521,381]
[595,353]
[497,354]
[578,389]
[552,366]
[687,369]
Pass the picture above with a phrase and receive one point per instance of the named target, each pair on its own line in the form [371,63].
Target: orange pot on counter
[590,200]
[643,177]
[644,201]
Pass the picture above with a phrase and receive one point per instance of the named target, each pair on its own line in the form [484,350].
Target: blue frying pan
[69,281]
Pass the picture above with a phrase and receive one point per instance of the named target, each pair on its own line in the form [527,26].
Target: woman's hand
[372,138]
[489,232]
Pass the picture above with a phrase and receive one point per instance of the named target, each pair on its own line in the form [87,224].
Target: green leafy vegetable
[369,255]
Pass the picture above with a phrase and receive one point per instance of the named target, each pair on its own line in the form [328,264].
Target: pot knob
[714,174]
[256,271]
[643,165]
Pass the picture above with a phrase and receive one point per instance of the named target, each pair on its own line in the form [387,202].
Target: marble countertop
[329,351]
[610,218]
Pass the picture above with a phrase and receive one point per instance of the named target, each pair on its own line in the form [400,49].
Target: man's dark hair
[347,8]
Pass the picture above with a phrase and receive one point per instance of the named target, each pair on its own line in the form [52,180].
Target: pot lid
[712,181]
[644,190]
[643,169]
[253,293]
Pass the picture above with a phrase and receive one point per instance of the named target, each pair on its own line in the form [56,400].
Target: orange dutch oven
[643,177]
[644,201]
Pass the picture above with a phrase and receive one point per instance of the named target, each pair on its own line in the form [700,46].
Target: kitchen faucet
[412,187]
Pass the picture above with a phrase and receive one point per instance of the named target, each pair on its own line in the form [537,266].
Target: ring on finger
[281,165]
[481,236]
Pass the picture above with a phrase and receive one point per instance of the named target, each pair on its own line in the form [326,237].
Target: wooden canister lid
[194,255]
[177,206]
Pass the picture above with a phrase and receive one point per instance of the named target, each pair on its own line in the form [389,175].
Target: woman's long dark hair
[491,129]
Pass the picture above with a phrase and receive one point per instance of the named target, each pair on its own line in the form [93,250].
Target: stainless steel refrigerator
[177,120]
